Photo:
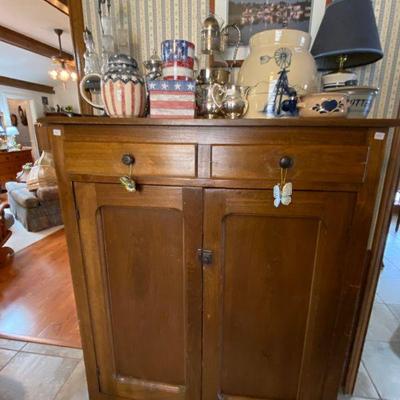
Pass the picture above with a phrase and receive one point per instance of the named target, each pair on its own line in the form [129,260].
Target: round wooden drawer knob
[128,159]
[286,162]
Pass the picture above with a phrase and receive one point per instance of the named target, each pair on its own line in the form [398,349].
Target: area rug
[21,238]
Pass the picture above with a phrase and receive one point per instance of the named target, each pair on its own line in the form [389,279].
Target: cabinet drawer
[10,169]
[342,164]
[15,157]
[150,159]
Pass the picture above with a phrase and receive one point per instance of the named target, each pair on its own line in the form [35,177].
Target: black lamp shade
[348,28]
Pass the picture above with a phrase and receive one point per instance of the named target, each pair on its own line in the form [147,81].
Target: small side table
[11,163]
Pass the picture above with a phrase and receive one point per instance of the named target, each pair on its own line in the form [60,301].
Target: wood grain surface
[150,298]
[11,163]
[294,122]
[37,301]
[273,315]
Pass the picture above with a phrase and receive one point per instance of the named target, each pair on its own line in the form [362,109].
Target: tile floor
[379,375]
[31,371]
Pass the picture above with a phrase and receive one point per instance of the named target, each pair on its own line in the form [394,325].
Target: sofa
[36,210]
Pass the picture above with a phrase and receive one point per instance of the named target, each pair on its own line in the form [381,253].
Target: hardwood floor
[36,297]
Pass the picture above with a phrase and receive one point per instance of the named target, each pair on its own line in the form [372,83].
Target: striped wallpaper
[385,74]
[149,22]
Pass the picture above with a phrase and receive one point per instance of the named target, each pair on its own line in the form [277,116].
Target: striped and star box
[172,99]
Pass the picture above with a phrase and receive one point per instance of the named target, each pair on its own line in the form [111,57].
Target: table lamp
[11,132]
[348,37]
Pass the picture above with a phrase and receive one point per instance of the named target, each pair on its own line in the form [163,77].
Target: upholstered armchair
[6,221]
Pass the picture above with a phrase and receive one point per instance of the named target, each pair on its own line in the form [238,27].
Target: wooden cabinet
[145,282]
[271,295]
[196,287]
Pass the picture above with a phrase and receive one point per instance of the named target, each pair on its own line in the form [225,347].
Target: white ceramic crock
[260,70]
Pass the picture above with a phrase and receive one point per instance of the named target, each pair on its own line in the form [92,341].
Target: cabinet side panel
[144,266]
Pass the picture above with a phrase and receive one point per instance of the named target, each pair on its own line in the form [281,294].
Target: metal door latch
[205,256]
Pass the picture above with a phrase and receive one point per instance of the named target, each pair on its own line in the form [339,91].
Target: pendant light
[62,68]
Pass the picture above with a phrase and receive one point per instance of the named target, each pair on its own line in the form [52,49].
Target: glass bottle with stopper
[108,44]
[92,63]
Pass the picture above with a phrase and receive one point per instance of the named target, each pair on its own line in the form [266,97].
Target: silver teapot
[231,100]
[205,82]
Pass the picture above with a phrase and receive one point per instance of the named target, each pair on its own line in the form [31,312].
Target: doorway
[22,115]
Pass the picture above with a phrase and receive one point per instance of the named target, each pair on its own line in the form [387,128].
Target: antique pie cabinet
[196,286]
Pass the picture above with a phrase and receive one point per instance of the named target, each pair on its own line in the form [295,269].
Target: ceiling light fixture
[63,69]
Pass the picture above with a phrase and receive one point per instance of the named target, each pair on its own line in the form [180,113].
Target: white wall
[64,97]
[7,92]
[24,136]
[34,105]
[67,96]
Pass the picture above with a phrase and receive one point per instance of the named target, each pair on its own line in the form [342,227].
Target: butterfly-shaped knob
[128,183]
[286,162]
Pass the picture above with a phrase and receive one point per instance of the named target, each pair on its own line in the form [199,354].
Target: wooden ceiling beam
[24,42]
[36,87]
[61,5]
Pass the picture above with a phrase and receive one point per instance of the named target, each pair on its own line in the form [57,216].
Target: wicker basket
[43,173]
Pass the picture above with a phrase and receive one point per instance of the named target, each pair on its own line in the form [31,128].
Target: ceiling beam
[60,5]
[36,87]
[24,42]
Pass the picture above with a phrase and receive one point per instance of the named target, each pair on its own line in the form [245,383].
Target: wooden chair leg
[6,253]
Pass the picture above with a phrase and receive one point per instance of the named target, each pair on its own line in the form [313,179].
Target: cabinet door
[144,287]
[271,295]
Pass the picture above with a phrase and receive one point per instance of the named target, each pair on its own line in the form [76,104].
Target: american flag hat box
[172,99]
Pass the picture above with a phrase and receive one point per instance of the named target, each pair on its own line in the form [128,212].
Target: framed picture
[14,120]
[253,16]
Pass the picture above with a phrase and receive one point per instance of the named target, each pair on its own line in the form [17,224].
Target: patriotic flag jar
[123,89]
[172,99]
[178,60]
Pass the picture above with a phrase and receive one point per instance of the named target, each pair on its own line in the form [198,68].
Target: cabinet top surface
[277,122]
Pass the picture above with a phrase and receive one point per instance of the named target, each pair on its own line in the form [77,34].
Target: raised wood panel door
[144,288]
[271,295]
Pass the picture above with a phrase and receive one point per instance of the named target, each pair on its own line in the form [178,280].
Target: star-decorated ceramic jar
[123,90]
